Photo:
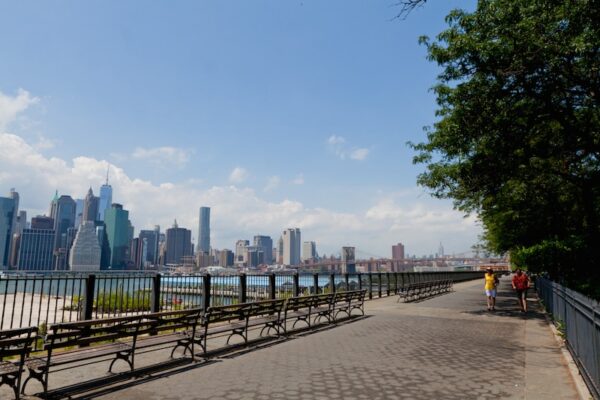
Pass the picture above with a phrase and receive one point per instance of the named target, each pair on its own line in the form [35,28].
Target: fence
[579,316]
[38,300]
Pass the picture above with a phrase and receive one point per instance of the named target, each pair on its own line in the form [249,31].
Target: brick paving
[447,347]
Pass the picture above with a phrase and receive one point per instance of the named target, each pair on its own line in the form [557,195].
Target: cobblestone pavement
[447,347]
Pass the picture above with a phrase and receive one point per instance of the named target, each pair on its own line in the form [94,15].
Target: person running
[520,283]
[491,282]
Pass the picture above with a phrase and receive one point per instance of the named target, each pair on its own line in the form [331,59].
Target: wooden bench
[304,308]
[421,290]
[15,343]
[236,319]
[112,338]
[346,302]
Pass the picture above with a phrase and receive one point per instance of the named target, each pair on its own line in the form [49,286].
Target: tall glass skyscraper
[63,213]
[204,230]
[7,218]
[117,224]
[105,199]
[266,244]
[36,252]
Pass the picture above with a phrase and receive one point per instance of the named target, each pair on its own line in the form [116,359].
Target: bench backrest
[17,342]
[155,323]
[84,333]
[232,312]
[320,300]
[266,308]
[298,303]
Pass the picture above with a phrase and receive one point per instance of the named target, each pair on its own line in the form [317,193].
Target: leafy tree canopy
[517,140]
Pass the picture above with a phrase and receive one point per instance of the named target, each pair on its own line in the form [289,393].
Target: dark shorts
[521,293]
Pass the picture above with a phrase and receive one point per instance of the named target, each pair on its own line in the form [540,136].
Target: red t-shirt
[520,282]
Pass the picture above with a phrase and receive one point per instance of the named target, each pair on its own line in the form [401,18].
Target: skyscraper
[398,251]
[291,246]
[279,252]
[86,253]
[204,230]
[266,244]
[117,224]
[348,260]
[78,212]
[150,237]
[241,252]
[36,251]
[309,251]
[91,205]
[441,250]
[7,219]
[62,211]
[105,199]
[178,244]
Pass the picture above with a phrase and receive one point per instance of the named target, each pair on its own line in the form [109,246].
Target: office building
[42,222]
[255,256]
[36,250]
[348,260]
[279,252]
[291,246]
[440,251]
[86,253]
[7,220]
[116,220]
[79,203]
[178,244]
[91,205]
[309,251]
[241,252]
[105,201]
[398,252]
[62,211]
[151,244]
[204,230]
[226,258]
[266,244]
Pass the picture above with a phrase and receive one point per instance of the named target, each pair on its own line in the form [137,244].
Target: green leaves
[518,135]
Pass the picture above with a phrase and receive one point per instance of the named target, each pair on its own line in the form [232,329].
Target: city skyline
[305,129]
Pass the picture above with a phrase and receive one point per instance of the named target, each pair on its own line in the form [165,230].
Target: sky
[273,113]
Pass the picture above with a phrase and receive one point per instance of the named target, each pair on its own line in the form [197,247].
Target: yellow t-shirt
[490,281]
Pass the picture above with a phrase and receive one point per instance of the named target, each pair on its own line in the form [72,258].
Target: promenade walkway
[447,347]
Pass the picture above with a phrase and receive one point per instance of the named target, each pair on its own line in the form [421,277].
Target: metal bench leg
[126,356]
[41,376]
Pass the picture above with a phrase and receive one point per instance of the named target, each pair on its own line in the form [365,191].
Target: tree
[517,140]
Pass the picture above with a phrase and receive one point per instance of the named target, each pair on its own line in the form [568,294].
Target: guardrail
[38,300]
[579,319]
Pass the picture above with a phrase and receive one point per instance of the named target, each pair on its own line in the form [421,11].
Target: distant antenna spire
[107,170]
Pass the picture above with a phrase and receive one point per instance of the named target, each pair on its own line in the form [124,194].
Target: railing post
[316,282]
[395,283]
[85,312]
[370,275]
[379,290]
[243,288]
[359,276]
[332,282]
[347,280]
[206,292]
[272,286]
[155,299]
[296,284]
[388,283]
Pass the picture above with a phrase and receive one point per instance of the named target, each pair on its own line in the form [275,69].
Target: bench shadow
[115,382]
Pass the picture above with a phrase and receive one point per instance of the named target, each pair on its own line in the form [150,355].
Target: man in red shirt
[520,283]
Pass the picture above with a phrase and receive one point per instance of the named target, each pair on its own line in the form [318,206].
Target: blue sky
[277,113]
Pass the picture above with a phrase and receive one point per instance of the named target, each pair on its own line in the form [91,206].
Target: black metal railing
[38,300]
[578,317]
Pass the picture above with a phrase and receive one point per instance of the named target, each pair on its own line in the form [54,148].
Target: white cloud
[359,154]
[298,180]
[238,175]
[272,183]
[334,140]
[10,107]
[338,145]
[44,143]
[165,155]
